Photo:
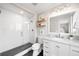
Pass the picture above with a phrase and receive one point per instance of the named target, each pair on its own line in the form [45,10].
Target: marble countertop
[73,42]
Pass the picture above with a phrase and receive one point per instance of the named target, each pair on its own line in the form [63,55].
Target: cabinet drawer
[46,53]
[46,43]
[45,48]
[74,51]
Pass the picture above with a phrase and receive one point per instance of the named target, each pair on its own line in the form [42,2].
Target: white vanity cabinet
[49,48]
[64,50]
[74,51]
[52,48]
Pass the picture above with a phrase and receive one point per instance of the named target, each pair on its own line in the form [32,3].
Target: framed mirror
[61,23]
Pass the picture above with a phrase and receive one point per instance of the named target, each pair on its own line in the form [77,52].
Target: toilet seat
[36,46]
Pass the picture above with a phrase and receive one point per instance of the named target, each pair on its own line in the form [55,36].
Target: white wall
[59,10]
[11,26]
[33,29]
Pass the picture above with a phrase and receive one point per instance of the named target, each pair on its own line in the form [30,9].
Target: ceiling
[37,7]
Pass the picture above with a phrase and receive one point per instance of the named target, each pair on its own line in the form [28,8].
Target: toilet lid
[36,46]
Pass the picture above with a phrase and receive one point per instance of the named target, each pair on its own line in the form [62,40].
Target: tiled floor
[30,53]
[16,50]
[41,54]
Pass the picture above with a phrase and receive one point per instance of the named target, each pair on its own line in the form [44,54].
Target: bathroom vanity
[59,47]
[62,44]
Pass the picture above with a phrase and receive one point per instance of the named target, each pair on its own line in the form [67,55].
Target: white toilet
[36,48]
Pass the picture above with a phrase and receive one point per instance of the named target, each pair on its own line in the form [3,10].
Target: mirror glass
[61,23]
[75,27]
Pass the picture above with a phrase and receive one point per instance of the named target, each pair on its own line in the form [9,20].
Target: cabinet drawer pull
[76,51]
